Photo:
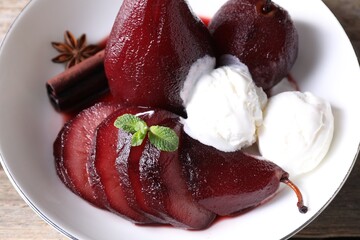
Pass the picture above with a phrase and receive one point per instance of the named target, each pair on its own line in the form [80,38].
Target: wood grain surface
[340,219]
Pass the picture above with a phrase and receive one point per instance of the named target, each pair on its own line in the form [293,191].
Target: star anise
[73,51]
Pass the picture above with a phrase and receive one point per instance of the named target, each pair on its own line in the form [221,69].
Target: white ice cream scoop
[296,132]
[225,108]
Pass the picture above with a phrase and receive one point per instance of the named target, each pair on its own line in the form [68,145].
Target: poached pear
[260,34]
[72,149]
[228,183]
[109,149]
[151,48]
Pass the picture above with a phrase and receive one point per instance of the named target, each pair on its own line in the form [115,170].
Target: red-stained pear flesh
[113,148]
[227,182]
[59,161]
[152,45]
[129,169]
[165,186]
[73,146]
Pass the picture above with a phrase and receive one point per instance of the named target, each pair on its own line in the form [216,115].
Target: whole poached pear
[260,34]
[151,48]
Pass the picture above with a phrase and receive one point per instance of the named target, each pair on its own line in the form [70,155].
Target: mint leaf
[138,138]
[131,123]
[142,127]
[134,125]
[163,138]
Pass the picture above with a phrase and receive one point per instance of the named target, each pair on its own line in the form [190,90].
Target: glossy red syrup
[205,20]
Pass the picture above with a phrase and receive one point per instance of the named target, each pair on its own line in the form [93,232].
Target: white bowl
[326,66]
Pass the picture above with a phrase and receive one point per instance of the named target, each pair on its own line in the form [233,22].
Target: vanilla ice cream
[296,132]
[225,108]
[200,67]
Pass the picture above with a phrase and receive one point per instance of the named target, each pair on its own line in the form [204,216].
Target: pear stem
[300,204]
[267,6]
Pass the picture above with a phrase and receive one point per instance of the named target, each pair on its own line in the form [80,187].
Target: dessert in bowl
[51,202]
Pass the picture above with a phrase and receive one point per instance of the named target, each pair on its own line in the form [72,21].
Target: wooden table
[340,219]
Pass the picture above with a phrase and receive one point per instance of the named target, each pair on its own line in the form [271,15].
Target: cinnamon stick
[78,85]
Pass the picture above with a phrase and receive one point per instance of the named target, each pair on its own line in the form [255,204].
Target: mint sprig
[130,123]
[163,138]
